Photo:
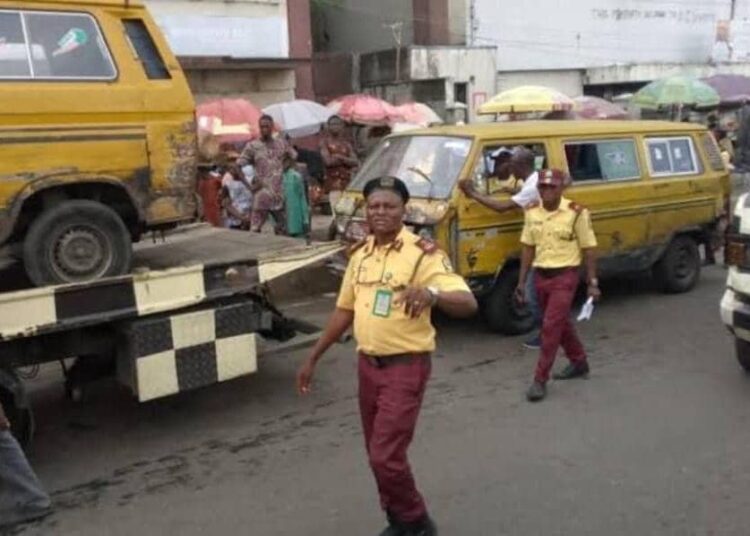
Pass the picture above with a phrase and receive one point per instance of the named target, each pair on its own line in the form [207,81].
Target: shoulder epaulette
[356,247]
[427,245]
[576,207]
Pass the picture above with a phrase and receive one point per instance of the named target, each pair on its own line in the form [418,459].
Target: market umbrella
[229,120]
[417,113]
[676,91]
[365,110]
[524,99]
[591,108]
[733,89]
[299,118]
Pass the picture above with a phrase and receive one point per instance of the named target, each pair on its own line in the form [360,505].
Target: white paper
[587,310]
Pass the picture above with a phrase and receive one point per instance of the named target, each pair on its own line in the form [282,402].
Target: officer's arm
[527,257]
[457,303]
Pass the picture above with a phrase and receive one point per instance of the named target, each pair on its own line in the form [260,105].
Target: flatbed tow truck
[194,311]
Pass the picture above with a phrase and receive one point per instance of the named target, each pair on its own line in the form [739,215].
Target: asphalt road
[655,442]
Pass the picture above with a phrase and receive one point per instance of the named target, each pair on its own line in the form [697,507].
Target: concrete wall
[240,28]
[568,82]
[561,34]
[261,86]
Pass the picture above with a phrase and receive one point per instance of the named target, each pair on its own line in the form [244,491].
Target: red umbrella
[416,113]
[365,110]
[591,108]
[230,120]
[734,89]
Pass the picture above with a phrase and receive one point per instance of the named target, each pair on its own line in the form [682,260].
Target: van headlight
[427,233]
[346,206]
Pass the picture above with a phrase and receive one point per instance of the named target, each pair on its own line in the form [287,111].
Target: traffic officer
[393,280]
[557,236]
[21,495]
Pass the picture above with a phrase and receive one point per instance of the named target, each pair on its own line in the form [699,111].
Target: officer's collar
[396,245]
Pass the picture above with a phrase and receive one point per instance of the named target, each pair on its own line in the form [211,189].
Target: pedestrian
[339,158]
[392,282]
[521,164]
[267,157]
[237,197]
[22,498]
[297,209]
[557,236]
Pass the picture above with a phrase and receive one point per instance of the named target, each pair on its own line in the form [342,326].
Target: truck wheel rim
[81,252]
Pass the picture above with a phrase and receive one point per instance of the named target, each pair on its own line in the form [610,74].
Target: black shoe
[423,527]
[573,370]
[534,343]
[394,528]
[536,392]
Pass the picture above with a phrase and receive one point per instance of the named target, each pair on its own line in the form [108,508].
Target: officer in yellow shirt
[393,280]
[557,236]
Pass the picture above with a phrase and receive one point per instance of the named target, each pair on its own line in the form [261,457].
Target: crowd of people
[273,180]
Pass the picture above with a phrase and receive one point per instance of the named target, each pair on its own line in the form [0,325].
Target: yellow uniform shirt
[558,236]
[380,274]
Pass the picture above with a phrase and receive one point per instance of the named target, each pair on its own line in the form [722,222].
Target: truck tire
[76,241]
[680,267]
[500,309]
[742,349]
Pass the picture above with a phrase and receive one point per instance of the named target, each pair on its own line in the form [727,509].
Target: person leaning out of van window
[557,237]
[502,180]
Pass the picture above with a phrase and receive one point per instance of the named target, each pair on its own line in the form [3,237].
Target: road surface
[655,442]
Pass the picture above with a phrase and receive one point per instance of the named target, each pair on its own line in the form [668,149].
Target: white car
[735,305]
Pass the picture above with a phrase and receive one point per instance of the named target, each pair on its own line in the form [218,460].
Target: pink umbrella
[365,110]
[230,120]
[417,113]
[591,108]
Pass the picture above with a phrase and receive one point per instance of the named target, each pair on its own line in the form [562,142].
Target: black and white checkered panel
[166,355]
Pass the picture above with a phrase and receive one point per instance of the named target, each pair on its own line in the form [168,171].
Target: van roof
[524,129]
[107,3]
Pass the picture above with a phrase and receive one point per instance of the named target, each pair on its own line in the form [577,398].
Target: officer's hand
[467,187]
[304,377]
[595,293]
[415,301]
[520,294]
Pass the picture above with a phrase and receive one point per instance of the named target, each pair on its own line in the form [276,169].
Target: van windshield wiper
[425,176]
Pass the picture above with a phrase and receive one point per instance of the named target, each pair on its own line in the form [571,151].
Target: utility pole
[397,28]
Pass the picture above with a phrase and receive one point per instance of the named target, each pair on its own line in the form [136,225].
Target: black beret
[387,183]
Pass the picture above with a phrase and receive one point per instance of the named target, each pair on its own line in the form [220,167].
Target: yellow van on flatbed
[656,190]
[97,137]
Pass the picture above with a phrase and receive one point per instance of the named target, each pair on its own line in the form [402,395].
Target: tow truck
[196,310]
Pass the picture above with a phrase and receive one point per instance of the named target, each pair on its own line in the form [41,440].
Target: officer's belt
[382,361]
[548,273]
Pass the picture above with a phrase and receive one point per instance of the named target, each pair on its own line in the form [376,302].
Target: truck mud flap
[164,355]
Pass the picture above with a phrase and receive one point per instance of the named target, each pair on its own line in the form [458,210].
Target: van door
[486,238]
[681,193]
[607,178]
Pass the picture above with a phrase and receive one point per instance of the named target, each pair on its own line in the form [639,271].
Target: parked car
[655,191]
[735,305]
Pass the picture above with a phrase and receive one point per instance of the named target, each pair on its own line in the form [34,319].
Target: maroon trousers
[390,398]
[555,300]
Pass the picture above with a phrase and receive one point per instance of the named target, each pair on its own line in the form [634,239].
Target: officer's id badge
[382,305]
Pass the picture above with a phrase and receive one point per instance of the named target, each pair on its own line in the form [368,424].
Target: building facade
[260,50]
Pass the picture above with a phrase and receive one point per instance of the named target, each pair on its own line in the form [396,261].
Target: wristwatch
[593,282]
[434,294]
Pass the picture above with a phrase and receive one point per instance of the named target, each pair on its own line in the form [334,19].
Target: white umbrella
[299,118]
